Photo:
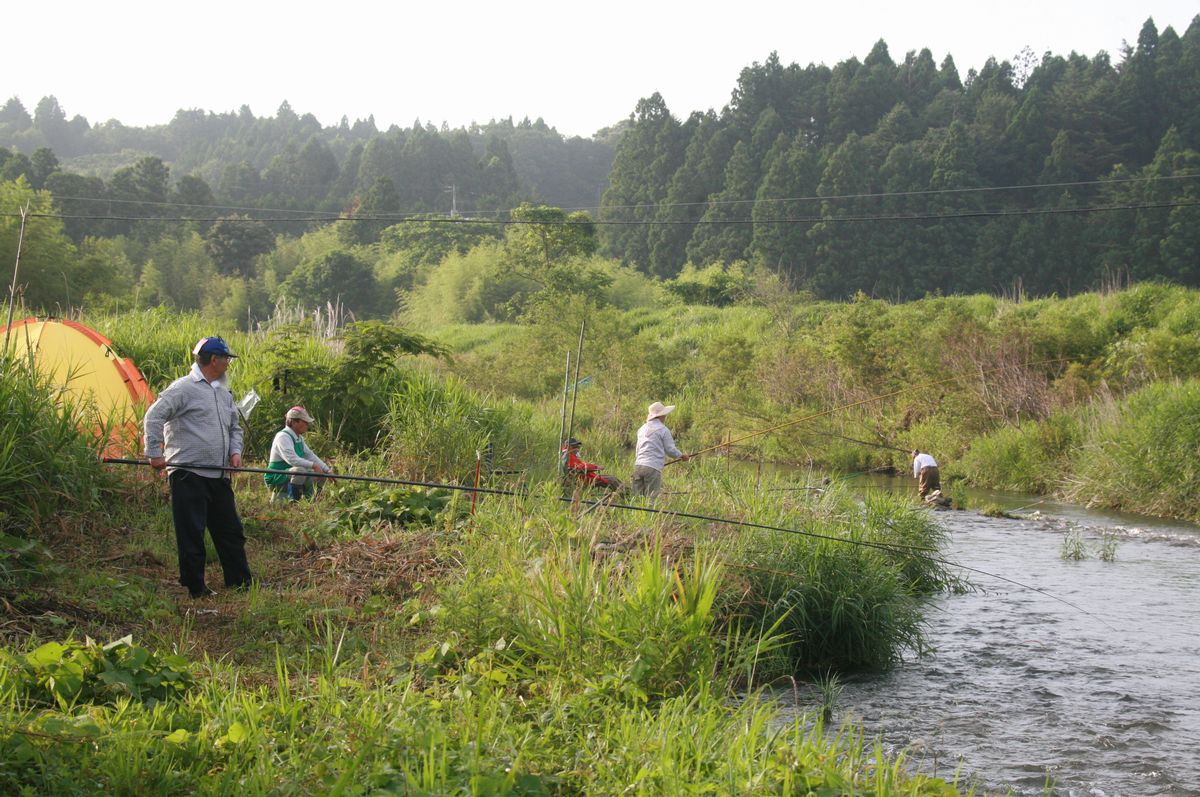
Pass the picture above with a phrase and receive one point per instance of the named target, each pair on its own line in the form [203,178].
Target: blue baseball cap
[213,345]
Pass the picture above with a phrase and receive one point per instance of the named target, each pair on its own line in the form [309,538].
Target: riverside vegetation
[521,651]
[400,645]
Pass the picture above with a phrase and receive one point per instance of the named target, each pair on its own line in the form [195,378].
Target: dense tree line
[290,161]
[901,179]
[891,179]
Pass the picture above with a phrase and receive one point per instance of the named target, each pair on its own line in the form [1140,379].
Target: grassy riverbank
[528,650]
[398,644]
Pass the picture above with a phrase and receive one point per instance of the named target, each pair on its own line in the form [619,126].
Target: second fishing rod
[859,403]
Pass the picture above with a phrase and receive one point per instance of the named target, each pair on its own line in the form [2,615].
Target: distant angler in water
[925,471]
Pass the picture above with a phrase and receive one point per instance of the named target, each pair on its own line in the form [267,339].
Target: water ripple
[1024,690]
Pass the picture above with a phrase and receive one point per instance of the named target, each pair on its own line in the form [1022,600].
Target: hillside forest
[893,178]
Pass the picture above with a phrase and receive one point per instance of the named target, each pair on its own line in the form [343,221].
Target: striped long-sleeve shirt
[195,422]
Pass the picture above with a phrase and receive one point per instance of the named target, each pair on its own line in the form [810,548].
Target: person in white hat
[298,467]
[654,443]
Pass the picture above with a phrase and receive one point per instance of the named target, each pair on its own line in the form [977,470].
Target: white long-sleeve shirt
[654,443]
[923,460]
[283,449]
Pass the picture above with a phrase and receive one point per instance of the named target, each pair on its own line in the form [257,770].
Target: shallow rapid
[1023,691]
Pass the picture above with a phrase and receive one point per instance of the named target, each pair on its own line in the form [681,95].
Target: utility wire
[968,214]
[890,194]
[704,203]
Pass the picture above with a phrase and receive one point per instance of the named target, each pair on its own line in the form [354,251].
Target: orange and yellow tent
[81,364]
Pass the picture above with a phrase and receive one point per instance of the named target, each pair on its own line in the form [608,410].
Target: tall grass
[323,728]
[1141,454]
[47,465]
[159,341]
[1034,457]
[434,428]
[842,605]
[778,602]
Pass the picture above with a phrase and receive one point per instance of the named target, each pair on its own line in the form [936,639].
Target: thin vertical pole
[12,289]
[575,394]
[475,492]
[562,421]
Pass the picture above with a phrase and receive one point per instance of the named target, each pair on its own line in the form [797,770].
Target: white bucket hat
[658,410]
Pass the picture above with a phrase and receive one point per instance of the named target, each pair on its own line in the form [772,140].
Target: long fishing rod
[575,390]
[917,551]
[851,405]
[562,422]
[894,548]
[861,442]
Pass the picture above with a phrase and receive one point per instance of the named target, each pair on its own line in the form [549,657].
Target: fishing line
[893,394]
[894,548]
[860,442]
[887,548]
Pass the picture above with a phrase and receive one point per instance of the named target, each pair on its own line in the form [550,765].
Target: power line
[314,215]
[403,219]
[891,194]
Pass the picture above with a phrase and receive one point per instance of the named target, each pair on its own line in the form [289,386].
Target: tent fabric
[82,364]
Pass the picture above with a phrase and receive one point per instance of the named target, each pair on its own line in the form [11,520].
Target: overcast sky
[579,66]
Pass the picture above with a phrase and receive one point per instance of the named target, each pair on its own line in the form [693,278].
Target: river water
[1028,694]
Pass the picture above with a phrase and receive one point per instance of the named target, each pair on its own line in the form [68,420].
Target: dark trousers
[197,502]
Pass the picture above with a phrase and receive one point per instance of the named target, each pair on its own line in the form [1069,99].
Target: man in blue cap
[194,422]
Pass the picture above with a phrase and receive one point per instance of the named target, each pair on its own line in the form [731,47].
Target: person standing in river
[195,422]
[925,471]
[654,444]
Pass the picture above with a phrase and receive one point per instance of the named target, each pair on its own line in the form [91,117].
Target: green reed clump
[1107,548]
[1141,453]
[1074,548]
[435,427]
[839,604]
[1033,457]
[829,687]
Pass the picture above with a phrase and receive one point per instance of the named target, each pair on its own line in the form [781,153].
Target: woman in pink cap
[298,467]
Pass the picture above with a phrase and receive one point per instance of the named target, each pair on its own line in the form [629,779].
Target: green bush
[1034,457]
[63,674]
[435,428]
[847,602]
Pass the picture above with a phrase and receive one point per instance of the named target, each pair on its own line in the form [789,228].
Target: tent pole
[12,289]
